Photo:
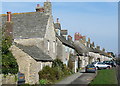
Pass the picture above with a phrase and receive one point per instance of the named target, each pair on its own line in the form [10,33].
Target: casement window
[48,45]
[53,46]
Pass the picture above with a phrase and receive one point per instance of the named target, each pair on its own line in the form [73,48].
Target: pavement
[79,78]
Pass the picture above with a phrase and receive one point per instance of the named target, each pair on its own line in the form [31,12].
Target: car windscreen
[101,63]
[90,65]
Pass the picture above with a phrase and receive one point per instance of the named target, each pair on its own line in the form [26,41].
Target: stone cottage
[34,39]
[82,50]
[65,47]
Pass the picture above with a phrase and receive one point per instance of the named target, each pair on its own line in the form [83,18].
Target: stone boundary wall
[8,79]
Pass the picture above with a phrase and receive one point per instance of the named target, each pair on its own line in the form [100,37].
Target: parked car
[94,62]
[118,62]
[112,63]
[101,65]
[90,68]
[21,78]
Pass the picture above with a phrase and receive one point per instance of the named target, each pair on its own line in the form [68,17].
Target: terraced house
[37,41]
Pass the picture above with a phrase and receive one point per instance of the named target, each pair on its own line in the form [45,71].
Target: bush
[9,64]
[44,82]
[70,64]
[58,63]
[66,71]
[56,72]
[47,73]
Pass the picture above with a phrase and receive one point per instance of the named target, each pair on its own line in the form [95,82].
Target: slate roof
[28,25]
[80,47]
[90,49]
[96,50]
[65,42]
[35,52]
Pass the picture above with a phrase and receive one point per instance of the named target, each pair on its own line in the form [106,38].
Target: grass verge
[106,76]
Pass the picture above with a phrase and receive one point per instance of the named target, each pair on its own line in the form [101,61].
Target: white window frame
[48,45]
[53,46]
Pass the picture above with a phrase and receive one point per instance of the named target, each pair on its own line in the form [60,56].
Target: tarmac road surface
[84,79]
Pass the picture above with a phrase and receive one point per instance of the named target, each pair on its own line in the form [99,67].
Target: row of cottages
[34,40]
[37,41]
[89,53]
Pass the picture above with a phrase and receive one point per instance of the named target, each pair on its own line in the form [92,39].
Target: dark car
[21,78]
[90,68]
[112,63]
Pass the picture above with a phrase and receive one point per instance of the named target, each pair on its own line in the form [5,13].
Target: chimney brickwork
[9,16]
[69,38]
[48,8]
[39,8]
[98,47]
[77,36]
[8,31]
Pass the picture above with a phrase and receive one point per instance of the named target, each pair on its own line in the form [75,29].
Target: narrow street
[83,79]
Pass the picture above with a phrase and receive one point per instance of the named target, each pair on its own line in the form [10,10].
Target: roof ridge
[18,13]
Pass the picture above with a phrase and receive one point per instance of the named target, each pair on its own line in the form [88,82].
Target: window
[54,46]
[48,43]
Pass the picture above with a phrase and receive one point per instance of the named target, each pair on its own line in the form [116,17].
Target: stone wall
[28,65]
[23,61]
[51,37]
[8,79]
[59,49]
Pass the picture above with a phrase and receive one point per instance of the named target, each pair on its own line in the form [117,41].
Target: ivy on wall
[9,64]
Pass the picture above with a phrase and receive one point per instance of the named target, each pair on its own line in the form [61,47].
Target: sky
[97,20]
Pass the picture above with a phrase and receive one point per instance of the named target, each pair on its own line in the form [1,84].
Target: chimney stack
[39,8]
[93,45]
[69,38]
[77,36]
[84,38]
[89,40]
[64,33]
[57,20]
[9,16]
[38,5]
[98,47]
[103,49]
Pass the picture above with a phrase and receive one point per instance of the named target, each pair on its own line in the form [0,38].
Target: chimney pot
[38,5]
[9,16]
[69,38]
[57,20]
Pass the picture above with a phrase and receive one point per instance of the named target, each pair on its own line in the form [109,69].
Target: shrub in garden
[56,72]
[44,82]
[70,64]
[58,63]
[47,73]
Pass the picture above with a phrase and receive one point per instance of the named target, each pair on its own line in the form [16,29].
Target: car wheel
[97,67]
[108,67]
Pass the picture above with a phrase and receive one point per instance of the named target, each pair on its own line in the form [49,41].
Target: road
[84,79]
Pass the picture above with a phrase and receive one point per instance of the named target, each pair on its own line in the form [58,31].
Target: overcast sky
[97,20]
